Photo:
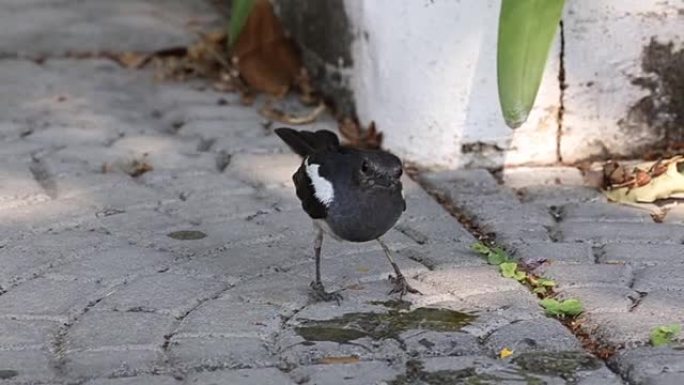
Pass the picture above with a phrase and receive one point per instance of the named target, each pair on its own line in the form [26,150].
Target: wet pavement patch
[561,364]
[378,326]
[186,235]
[8,373]
[415,374]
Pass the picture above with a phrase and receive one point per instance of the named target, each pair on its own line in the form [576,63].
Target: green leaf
[508,269]
[540,290]
[664,335]
[238,18]
[520,275]
[571,307]
[546,282]
[480,248]
[497,256]
[566,308]
[526,31]
[551,306]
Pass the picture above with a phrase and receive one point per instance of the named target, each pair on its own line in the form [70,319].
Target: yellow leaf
[669,184]
[505,352]
[362,269]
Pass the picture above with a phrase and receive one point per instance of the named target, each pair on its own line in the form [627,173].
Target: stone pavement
[627,270]
[150,234]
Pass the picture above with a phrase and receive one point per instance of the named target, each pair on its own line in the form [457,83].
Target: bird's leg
[318,291]
[399,281]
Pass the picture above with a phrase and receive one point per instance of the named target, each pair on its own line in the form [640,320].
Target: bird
[351,194]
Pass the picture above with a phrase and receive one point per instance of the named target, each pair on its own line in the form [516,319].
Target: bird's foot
[319,294]
[399,285]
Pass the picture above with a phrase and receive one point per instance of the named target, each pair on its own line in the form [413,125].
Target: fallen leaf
[133,60]
[265,57]
[649,183]
[276,114]
[359,137]
[505,352]
[332,360]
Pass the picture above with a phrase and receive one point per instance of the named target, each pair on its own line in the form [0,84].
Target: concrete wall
[425,72]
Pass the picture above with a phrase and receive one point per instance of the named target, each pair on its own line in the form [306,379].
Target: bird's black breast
[306,194]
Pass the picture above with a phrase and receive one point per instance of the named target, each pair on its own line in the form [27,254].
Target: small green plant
[665,335]
[495,255]
[562,309]
[510,270]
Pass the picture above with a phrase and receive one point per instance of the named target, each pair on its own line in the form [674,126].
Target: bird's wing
[307,194]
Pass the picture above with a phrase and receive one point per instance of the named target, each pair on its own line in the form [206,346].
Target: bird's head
[377,169]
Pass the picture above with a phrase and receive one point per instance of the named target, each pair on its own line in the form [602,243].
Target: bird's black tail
[306,143]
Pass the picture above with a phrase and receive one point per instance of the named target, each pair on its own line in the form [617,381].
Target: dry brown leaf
[368,138]
[333,360]
[264,55]
[133,60]
[275,114]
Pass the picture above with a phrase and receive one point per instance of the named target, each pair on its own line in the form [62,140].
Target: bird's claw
[319,294]
[399,285]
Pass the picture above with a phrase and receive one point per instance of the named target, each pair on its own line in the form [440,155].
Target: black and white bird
[351,194]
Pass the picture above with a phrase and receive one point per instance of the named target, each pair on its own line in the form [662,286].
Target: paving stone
[360,373]
[563,253]
[652,366]
[624,329]
[516,177]
[425,343]
[659,277]
[603,299]
[464,281]
[601,212]
[101,329]
[360,268]
[675,215]
[227,317]
[588,275]
[662,303]
[267,171]
[517,235]
[559,195]
[606,232]
[489,320]
[35,255]
[126,361]
[114,266]
[137,380]
[478,181]
[166,293]
[48,299]
[99,26]
[544,334]
[264,376]
[295,351]
[277,288]
[21,334]
[642,255]
[220,353]
[29,366]
[504,215]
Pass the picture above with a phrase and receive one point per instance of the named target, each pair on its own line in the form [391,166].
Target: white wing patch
[323,189]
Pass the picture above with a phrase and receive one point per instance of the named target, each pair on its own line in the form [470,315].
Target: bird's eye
[398,173]
[364,167]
